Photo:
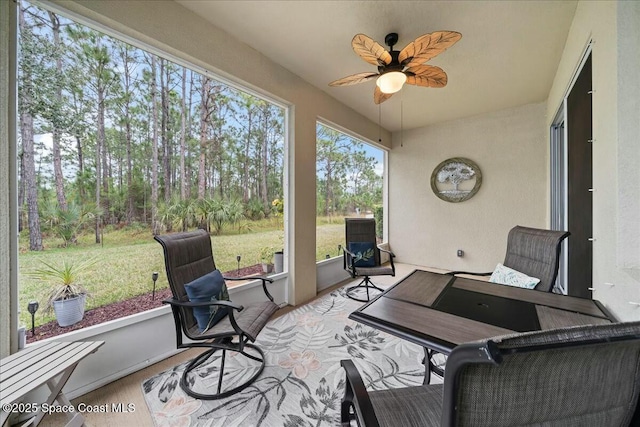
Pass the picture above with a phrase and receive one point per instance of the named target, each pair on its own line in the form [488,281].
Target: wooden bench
[51,364]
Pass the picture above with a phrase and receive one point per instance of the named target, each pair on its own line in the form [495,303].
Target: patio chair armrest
[244,278]
[222,303]
[356,396]
[347,251]
[391,257]
[264,283]
[391,254]
[453,273]
[348,267]
[352,266]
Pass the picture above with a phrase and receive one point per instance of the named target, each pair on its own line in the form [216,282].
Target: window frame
[206,70]
[385,174]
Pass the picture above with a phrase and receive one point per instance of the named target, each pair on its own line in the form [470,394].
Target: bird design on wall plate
[395,68]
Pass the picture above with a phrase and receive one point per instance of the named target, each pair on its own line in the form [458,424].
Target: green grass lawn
[127,257]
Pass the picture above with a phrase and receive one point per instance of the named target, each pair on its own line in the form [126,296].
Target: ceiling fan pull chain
[379,123]
[401,120]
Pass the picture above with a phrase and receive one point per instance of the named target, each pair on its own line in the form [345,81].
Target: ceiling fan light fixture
[395,67]
[391,82]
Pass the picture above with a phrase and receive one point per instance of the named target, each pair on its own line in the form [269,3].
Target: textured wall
[628,253]
[509,146]
[614,29]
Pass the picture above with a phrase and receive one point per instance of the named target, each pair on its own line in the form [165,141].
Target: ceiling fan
[397,67]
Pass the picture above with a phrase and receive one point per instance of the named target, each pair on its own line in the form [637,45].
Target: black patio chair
[189,259]
[534,252]
[579,376]
[361,257]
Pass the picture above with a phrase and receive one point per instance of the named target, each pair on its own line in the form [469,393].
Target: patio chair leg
[365,283]
[197,361]
[430,367]
[346,414]
[221,374]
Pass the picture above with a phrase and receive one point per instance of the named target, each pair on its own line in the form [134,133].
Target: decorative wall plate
[456,179]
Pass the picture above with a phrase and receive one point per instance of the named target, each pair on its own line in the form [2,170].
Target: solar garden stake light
[32,308]
[238,258]
[154,277]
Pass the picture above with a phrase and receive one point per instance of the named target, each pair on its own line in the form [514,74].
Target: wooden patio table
[440,311]
[51,364]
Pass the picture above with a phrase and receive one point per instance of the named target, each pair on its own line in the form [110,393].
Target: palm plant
[64,280]
[68,223]
[181,214]
[165,215]
[254,209]
[235,212]
[221,213]
[218,215]
[201,212]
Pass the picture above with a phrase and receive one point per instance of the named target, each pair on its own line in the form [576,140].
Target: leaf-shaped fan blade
[370,50]
[426,76]
[353,79]
[427,46]
[379,97]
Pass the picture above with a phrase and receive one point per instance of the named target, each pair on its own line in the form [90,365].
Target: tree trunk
[99,158]
[104,151]
[189,171]
[328,196]
[102,155]
[183,136]
[127,129]
[245,160]
[57,132]
[81,188]
[189,167]
[264,157]
[21,182]
[154,151]
[78,136]
[28,152]
[204,93]
[164,87]
[26,131]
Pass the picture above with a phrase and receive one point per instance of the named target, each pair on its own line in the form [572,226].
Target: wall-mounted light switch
[460,253]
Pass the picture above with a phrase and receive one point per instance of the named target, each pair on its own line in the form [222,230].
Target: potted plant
[67,297]
[266,258]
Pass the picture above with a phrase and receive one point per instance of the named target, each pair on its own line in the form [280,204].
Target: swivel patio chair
[534,252]
[577,376]
[228,327]
[361,257]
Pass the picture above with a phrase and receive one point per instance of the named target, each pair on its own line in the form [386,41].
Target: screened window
[349,183]
[117,144]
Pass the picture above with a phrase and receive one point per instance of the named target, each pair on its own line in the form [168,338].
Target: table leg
[431,365]
[75,418]
[427,366]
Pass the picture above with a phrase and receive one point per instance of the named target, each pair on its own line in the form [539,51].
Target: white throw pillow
[508,276]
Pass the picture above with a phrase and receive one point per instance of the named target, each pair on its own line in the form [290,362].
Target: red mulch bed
[120,309]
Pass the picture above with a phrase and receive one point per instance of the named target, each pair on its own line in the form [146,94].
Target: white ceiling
[507,56]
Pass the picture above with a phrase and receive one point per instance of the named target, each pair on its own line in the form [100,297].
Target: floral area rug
[302,383]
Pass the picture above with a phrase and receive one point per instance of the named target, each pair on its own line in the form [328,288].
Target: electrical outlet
[460,253]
